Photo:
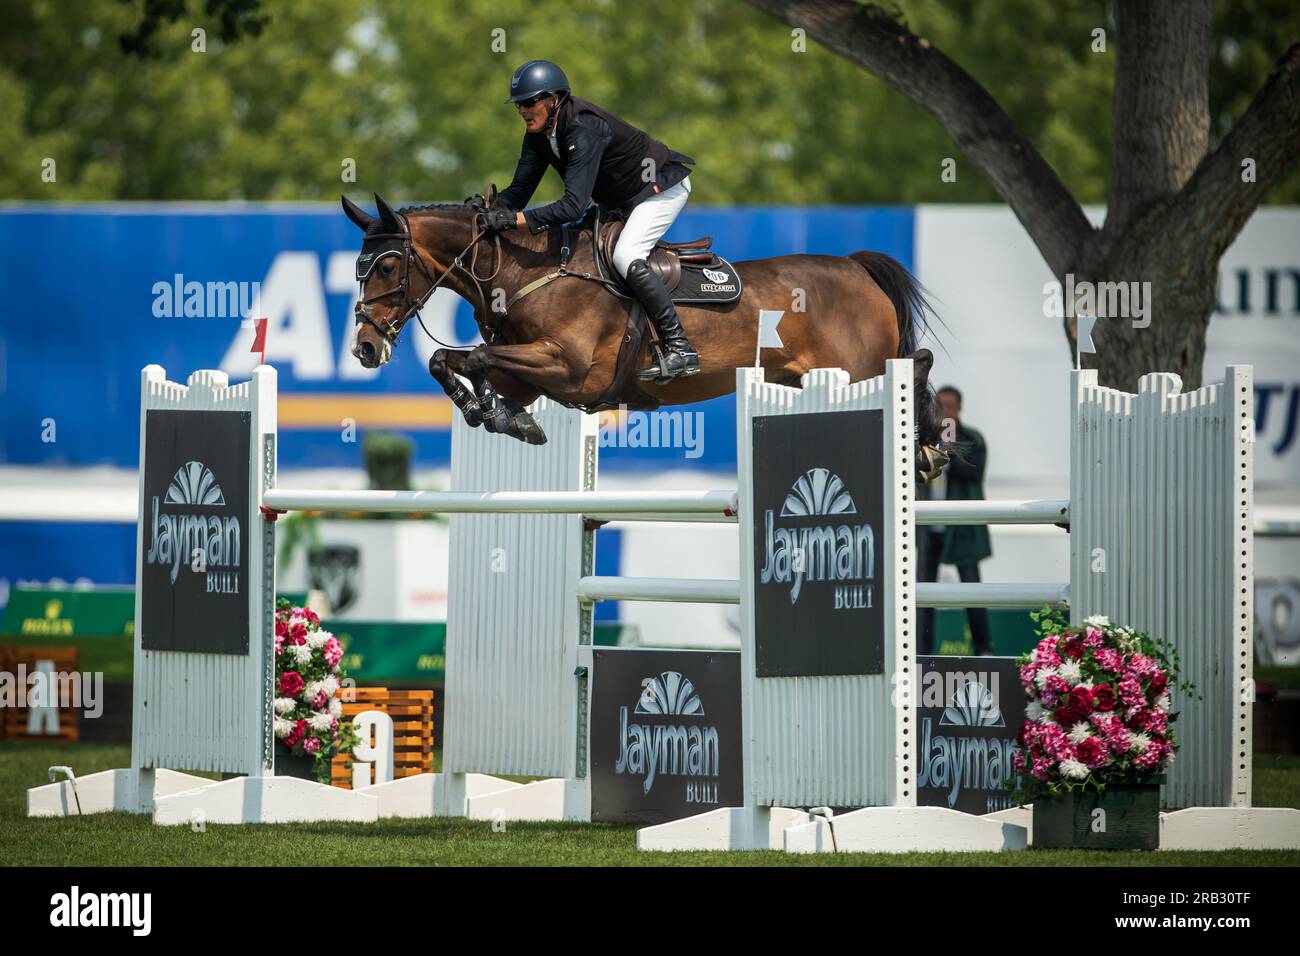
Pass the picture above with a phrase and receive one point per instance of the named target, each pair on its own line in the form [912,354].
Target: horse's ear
[490,195]
[922,362]
[358,215]
[387,218]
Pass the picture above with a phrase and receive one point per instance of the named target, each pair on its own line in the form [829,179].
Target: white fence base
[109,791]
[904,830]
[1230,828]
[265,800]
[730,828]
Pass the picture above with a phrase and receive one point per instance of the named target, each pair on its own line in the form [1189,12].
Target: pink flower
[1108,659]
[1057,685]
[1130,691]
[321,701]
[1046,655]
[279,643]
[311,745]
[1027,675]
[1141,665]
[1018,761]
[1092,637]
[1149,757]
[333,652]
[1157,722]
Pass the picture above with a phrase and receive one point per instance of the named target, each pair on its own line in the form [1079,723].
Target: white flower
[1070,672]
[316,639]
[322,721]
[1139,742]
[330,685]
[1040,679]
[1079,733]
[1034,711]
[1097,620]
[1074,769]
[1162,703]
[284,705]
[302,653]
[282,727]
[336,708]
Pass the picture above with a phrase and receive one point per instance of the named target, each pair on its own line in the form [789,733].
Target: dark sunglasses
[531,101]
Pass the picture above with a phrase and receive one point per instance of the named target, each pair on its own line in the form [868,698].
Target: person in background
[962,545]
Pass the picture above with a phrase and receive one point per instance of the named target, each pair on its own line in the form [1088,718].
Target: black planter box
[1132,820]
[288,765]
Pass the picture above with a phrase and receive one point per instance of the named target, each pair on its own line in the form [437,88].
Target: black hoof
[527,430]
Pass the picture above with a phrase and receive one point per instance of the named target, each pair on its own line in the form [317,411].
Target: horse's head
[931,450]
[387,268]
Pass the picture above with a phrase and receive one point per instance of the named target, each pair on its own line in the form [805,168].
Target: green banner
[414,652]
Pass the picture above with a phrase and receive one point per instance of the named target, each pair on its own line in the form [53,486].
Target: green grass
[120,839]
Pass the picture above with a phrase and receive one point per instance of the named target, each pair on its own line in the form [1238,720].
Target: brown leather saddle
[665,259]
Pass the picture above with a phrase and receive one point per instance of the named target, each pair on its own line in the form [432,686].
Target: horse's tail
[907,295]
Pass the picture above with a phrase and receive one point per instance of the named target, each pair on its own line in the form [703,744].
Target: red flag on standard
[259,339]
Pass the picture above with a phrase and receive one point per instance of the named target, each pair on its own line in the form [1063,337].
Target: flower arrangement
[1099,708]
[307,679]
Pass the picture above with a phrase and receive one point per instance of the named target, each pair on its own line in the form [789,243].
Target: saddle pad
[717,282]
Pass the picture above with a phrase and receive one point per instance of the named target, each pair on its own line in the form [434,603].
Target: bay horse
[548,332]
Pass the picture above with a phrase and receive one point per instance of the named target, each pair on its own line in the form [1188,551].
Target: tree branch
[1216,203]
[867,36]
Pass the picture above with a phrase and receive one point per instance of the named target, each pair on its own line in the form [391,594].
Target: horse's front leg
[522,372]
[445,365]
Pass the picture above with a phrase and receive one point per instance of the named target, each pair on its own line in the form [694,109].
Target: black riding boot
[679,358]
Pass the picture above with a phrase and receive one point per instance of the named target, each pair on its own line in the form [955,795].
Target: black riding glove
[499,219]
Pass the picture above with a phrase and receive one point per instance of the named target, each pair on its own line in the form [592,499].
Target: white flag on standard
[1083,337]
[768,320]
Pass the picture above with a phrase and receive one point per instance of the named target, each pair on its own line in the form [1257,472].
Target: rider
[601,157]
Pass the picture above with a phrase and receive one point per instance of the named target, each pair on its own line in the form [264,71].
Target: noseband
[410,253]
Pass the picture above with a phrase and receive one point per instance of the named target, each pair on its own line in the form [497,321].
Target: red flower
[1092,752]
[291,684]
[1073,647]
[292,738]
[1103,697]
[281,628]
[1081,701]
[1067,716]
[1159,683]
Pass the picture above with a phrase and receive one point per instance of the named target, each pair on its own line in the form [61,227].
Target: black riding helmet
[536,77]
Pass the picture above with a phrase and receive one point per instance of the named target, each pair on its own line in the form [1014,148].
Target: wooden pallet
[412,713]
[13,720]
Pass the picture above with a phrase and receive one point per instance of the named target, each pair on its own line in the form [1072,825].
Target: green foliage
[412,93]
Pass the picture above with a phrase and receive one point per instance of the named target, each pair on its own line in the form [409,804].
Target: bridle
[410,253]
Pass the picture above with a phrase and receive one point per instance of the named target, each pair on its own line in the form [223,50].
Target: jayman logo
[973,705]
[184,531]
[964,762]
[820,552]
[716,276]
[666,747]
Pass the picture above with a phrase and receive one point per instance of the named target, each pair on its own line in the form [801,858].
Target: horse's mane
[436,207]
